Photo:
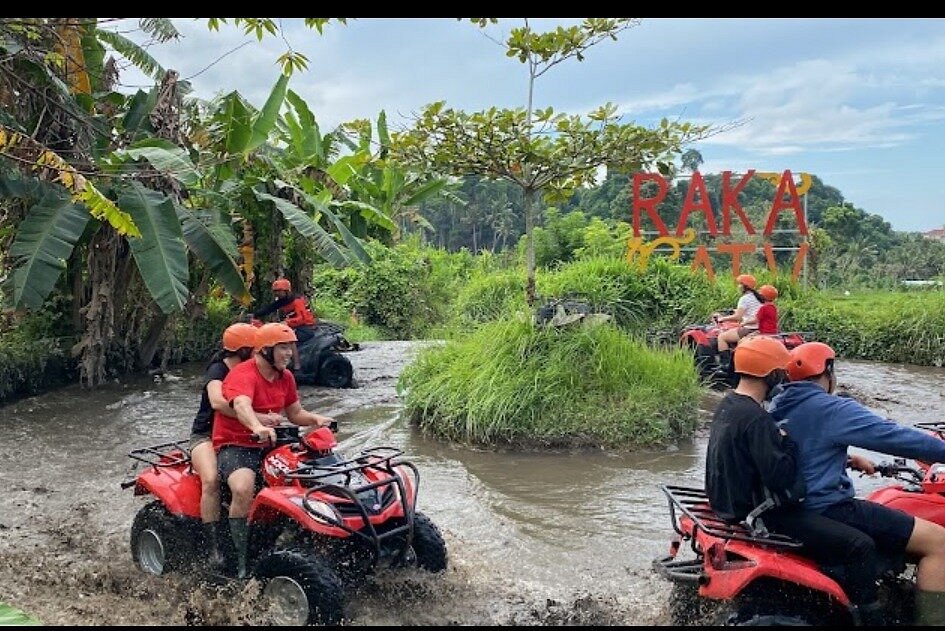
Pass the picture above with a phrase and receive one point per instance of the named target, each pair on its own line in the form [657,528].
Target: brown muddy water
[562,538]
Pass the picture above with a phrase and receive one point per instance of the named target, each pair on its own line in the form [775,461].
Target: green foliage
[512,383]
[10,616]
[32,365]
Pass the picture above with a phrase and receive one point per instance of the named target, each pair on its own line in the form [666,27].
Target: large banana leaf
[139,107]
[353,243]
[237,123]
[160,252]
[44,242]
[165,156]
[132,52]
[266,118]
[216,248]
[306,226]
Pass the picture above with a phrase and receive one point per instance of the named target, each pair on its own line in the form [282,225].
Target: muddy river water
[533,538]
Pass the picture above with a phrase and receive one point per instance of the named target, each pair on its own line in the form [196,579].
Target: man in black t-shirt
[751,461]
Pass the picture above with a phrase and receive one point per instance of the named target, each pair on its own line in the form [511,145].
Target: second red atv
[320,522]
[702,341]
[732,576]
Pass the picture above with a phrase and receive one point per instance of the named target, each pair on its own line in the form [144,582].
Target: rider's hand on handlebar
[861,463]
[271,419]
[265,434]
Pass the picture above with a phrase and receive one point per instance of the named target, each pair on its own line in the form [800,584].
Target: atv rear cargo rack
[170,454]
[694,504]
[932,426]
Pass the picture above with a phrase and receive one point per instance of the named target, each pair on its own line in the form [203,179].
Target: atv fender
[693,338]
[179,490]
[745,564]
[271,504]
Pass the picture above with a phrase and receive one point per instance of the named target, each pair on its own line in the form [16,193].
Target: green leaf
[353,243]
[307,227]
[266,118]
[173,161]
[236,123]
[370,213]
[132,52]
[10,616]
[139,109]
[214,247]
[343,168]
[160,252]
[44,242]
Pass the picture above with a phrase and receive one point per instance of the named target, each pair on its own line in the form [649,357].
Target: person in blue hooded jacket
[824,426]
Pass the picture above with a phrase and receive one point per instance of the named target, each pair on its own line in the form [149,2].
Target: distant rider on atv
[824,426]
[238,342]
[752,474]
[744,314]
[294,311]
[260,385]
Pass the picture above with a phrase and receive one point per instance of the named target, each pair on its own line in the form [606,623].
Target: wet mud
[534,538]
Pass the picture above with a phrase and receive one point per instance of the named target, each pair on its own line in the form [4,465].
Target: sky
[858,102]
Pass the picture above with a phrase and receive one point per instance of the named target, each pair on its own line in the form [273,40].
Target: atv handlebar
[288,433]
[895,468]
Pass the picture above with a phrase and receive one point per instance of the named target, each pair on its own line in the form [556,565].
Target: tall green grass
[510,382]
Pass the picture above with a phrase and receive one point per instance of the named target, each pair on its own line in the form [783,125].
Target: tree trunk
[529,249]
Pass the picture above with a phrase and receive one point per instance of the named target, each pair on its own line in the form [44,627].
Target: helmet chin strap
[268,356]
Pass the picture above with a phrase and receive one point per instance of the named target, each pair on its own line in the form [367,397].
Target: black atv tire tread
[335,371]
[324,589]
[428,544]
[154,516]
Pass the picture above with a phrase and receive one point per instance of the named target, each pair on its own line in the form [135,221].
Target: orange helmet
[274,333]
[809,359]
[770,292]
[747,280]
[239,335]
[759,356]
[281,283]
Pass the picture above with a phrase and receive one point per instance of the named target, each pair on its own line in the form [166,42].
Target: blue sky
[858,102]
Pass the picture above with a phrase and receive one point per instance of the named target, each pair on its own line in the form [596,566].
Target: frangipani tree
[541,151]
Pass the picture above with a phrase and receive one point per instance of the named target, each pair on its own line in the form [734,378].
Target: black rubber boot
[869,615]
[929,608]
[213,556]
[239,533]
[725,359]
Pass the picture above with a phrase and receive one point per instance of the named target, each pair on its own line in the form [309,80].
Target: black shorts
[233,457]
[890,528]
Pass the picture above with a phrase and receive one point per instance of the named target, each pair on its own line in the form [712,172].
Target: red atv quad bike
[737,577]
[702,341]
[320,522]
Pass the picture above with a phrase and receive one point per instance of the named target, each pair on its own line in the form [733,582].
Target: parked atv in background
[321,357]
[320,522]
[733,576]
[702,341]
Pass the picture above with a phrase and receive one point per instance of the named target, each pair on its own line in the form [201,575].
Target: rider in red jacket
[293,310]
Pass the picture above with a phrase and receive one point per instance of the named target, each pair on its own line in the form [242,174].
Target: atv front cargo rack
[694,504]
[378,459]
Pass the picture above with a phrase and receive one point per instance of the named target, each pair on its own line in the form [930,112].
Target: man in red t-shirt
[262,385]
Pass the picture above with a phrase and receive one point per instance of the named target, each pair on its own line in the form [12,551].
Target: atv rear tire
[299,589]
[335,371]
[156,544]
[428,544]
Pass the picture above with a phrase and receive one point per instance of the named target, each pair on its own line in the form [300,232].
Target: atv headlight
[321,510]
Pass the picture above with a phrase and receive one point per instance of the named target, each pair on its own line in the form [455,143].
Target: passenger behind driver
[258,386]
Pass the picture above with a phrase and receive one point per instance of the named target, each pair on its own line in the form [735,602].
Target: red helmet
[809,360]
[747,280]
[239,335]
[320,441]
[274,333]
[281,283]
[759,356]
[769,292]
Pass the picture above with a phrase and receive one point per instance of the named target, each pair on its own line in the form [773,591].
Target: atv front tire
[156,545]
[428,544]
[299,589]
